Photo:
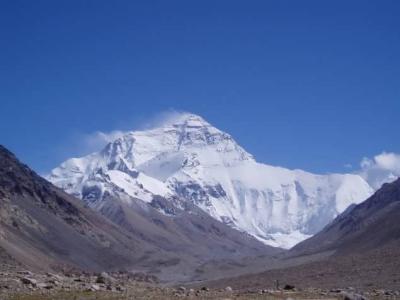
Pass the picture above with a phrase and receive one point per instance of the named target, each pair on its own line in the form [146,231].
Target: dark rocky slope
[42,227]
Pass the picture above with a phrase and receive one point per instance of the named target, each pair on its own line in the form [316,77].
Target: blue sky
[301,84]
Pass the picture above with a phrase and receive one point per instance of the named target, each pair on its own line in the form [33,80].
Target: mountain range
[184,202]
[186,160]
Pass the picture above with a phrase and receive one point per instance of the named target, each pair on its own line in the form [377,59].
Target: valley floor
[25,285]
[139,291]
[373,275]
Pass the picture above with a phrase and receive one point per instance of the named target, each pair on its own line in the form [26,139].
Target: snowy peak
[188,159]
[187,133]
[185,120]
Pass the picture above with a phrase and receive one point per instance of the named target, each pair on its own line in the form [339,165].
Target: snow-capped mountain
[188,160]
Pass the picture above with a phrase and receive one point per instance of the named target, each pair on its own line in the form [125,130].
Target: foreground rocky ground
[25,285]
[373,274]
[17,283]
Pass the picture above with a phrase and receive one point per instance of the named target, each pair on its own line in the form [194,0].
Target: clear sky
[301,84]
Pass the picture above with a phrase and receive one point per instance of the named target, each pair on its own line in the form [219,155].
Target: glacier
[186,159]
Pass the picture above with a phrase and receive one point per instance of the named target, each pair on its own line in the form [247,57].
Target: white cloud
[80,144]
[97,140]
[88,143]
[382,168]
[162,118]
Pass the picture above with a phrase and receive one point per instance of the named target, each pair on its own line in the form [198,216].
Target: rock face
[186,160]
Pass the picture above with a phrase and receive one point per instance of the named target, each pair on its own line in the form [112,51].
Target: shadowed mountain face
[366,226]
[43,227]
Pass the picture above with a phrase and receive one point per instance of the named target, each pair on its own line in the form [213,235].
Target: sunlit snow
[192,160]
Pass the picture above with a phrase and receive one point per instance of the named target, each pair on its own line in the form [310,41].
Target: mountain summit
[187,160]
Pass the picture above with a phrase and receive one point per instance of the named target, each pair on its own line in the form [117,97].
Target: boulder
[28,273]
[53,282]
[353,296]
[289,287]
[104,278]
[44,286]
[27,280]
[120,288]
[94,288]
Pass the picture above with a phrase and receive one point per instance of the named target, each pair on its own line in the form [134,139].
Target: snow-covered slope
[188,159]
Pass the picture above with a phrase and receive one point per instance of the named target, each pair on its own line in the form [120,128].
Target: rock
[391,293]
[27,280]
[353,296]
[28,273]
[204,288]
[110,288]
[94,287]
[104,278]
[44,286]
[388,293]
[120,288]
[101,280]
[53,282]
[228,289]
[288,287]
[55,277]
